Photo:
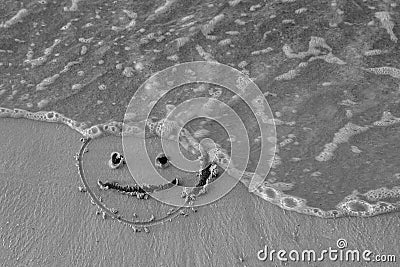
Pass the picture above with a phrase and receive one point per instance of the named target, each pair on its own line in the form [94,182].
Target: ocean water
[330,71]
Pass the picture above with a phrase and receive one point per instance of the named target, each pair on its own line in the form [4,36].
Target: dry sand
[46,221]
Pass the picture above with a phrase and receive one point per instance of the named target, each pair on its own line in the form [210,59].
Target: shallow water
[330,73]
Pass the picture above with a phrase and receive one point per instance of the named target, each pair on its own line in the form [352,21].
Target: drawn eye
[116,160]
[162,161]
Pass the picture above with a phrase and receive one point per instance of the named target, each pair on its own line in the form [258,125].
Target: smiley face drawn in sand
[174,135]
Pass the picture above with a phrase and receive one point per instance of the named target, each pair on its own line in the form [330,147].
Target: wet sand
[46,221]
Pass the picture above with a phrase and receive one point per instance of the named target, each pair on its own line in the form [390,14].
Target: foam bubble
[45,116]
[93,132]
[364,209]
[384,207]
[268,192]
[19,113]
[382,193]
[151,126]
[324,156]
[387,119]
[314,211]
[358,206]
[333,213]
[5,112]
[289,202]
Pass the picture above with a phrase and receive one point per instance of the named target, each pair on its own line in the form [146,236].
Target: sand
[46,221]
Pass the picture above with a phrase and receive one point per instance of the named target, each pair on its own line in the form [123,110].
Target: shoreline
[117,129]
